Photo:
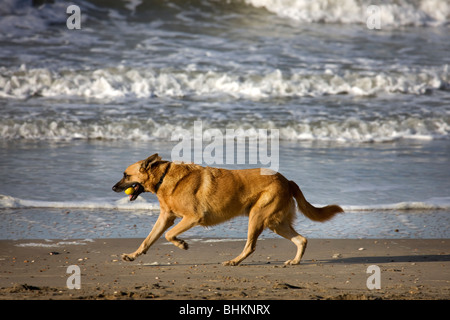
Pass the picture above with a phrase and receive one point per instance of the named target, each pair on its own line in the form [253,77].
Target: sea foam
[335,130]
[9,202]
[141,204]
[392,13]
[121,82]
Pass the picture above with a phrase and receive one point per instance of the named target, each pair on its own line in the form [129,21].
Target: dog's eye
[125,175]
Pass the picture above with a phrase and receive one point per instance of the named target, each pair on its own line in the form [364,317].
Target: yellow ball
[129,191]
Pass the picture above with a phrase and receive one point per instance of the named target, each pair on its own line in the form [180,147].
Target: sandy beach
[410,269]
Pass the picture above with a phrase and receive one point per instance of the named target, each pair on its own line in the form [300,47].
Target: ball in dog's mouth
[134,191]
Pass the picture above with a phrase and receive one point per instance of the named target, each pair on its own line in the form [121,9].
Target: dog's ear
[147,163]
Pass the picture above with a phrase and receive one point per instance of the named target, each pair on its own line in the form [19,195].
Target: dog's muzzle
[138,189]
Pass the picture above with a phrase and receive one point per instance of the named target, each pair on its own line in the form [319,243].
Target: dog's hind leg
[162,224]
[287,231]
[255,227]
[185,224]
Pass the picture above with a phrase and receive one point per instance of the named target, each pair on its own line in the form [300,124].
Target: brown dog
[207,196]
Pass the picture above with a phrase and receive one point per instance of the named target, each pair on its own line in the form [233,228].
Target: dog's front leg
[162,224]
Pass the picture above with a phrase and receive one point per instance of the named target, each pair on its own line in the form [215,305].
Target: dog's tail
[311,212]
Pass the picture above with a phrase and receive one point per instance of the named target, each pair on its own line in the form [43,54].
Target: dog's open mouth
[138,189]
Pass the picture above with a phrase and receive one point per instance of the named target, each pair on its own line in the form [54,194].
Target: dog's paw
[230,263]
[291,262]
[183,245]
[127,257]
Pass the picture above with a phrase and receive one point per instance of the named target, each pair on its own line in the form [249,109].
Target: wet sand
[410,269]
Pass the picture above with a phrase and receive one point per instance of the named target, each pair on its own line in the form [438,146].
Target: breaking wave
[9,202]
[20,14]
[393,13]
[123,82]
[349,130]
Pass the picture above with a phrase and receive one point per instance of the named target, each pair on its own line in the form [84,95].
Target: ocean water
[363,114]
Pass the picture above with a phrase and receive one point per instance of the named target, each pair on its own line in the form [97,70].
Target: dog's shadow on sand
[348,260]
[365,260]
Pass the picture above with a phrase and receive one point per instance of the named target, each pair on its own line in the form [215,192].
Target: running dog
[208,196]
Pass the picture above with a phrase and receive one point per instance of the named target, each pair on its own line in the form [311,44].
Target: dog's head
[139,177]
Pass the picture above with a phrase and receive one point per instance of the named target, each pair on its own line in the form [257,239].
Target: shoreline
[410,269]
